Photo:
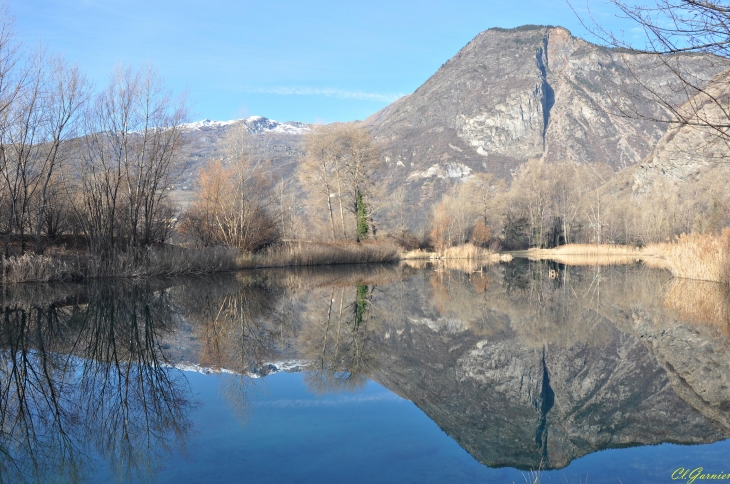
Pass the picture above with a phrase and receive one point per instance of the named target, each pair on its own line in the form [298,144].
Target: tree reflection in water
[240,325]
[85,374]
[339,345]
[524,365]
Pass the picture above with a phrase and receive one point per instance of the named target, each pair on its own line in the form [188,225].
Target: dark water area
[368,374]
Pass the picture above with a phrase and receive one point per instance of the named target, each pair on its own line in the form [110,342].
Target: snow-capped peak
[255,125]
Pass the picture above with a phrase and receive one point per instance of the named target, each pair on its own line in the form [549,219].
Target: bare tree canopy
[675,30]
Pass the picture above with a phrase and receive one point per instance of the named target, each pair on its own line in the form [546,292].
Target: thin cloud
[337,93]
[340,400]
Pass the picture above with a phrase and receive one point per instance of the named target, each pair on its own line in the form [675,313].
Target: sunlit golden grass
[596,250]
[594,260]
[703,257]
[465,258]
[700,302]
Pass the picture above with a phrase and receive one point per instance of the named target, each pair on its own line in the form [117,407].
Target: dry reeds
[703,257]
[596,250]
[466,251]
[596,255]
[323,253]
[594,260]
[36,268]
[162,262]
[466,258]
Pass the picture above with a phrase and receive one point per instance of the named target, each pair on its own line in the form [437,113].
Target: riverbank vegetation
[86,178]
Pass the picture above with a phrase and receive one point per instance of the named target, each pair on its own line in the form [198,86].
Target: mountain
[508,96]
[538,384]
[530,92]
[688,153]
[270,140]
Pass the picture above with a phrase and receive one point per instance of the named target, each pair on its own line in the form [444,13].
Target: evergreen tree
[362,218]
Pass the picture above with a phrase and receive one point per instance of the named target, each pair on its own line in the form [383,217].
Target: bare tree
[340,163]
[235,205]
[676,32]
[130,159]
[317,171]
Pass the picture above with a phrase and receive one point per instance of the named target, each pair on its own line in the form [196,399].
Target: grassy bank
[591,254]
[702,257]
[174,261]
[151,262]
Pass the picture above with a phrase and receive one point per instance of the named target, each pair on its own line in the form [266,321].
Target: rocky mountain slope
[529,92]
[688,153]
[506,97]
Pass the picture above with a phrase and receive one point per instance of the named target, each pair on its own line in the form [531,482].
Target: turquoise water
[291,435]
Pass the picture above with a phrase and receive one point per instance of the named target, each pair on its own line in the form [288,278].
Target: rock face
[506,97]
[692,152]
[529,92]
[512,95]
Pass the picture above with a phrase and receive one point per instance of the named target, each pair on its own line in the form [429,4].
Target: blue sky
[311,61]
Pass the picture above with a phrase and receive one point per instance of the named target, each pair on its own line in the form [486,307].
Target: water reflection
[82,371]
[528,365]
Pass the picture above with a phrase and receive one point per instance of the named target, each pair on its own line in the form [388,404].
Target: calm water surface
[379,374]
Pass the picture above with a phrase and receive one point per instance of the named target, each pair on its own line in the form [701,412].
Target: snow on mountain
[255,125]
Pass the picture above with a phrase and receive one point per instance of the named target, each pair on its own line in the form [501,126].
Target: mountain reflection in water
[527,365]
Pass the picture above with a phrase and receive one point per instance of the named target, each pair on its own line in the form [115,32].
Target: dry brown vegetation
[551,204]
[590,254]
[700,302]
[30,267]
[703,257]
[466,258]
[157,262]
[234,203]
[464,251]
[162,262]
[326,253]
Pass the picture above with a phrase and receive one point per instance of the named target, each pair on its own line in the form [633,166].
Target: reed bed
[703,257]
[596,254]
[151,262]
[466,258]
[595,260]
[593,250]
[322,253]
[163,262]
[37,268]
[466,251]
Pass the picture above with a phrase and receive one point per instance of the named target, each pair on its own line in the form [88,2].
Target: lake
[424,373]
